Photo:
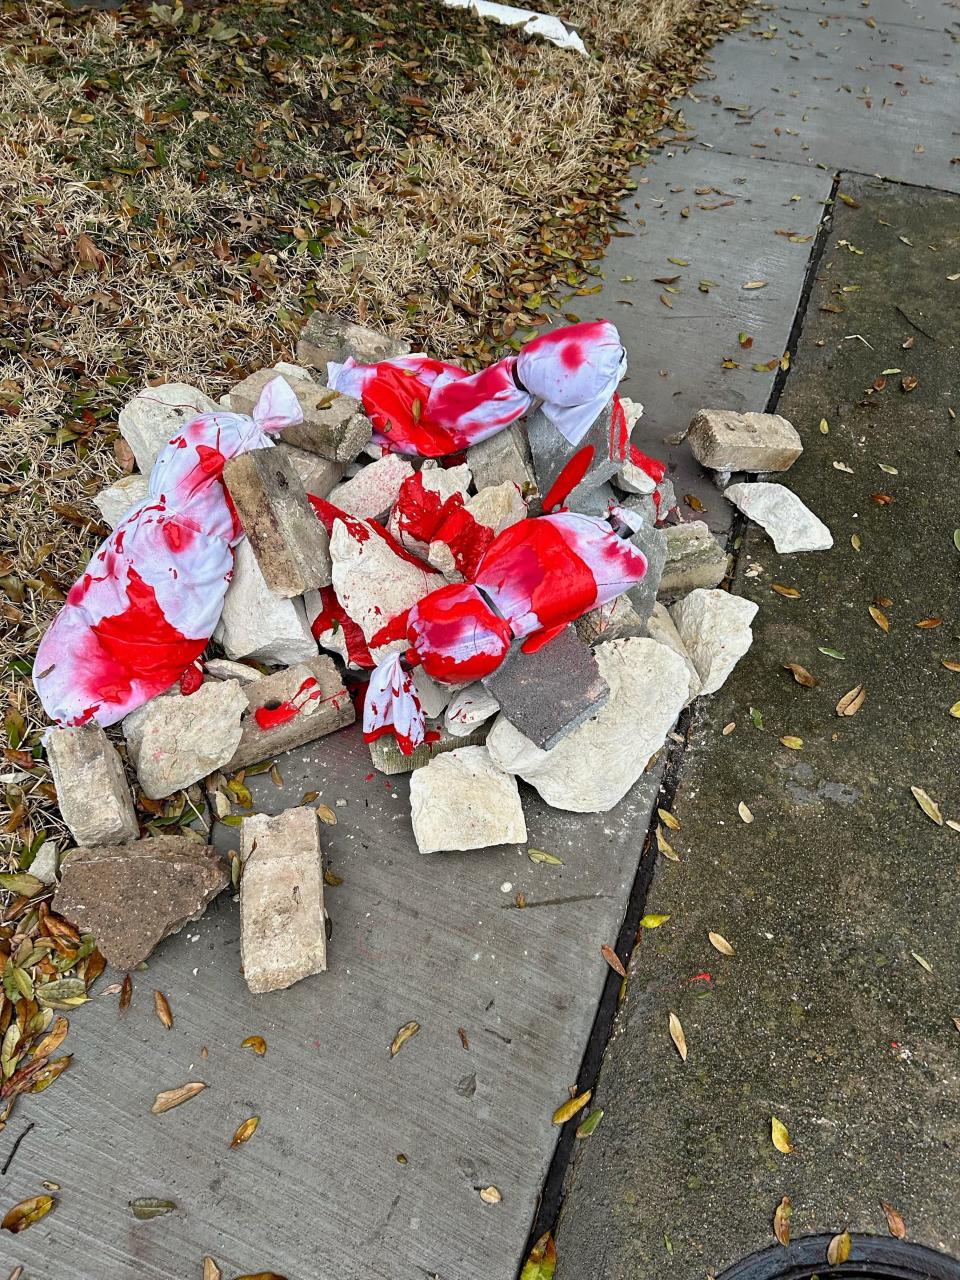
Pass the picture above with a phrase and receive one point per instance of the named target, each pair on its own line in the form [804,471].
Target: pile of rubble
[577,720]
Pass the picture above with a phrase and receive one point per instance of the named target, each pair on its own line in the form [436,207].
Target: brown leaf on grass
[567,1110]
[613,960]
[895,1222]
[170,1098]
[781,1221]
[719,943]
[256,1043]
[780,1136]
[838,1250]
[408,1030]
[88,255]
[852,701]
[677,1036]
[26,1213]
[929,807]
[245,1131]
[879,617]
[801,675]
[161,1007]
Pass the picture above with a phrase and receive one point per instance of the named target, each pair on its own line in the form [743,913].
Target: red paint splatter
[272,717]
[179,537]
[192,679]
[568,479]
[540,639]
[332,616]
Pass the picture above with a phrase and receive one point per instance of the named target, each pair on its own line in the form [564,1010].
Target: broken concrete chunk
[551,454]
[389,759]
[653,543]
[631,478]
[224,669]
[317,475]
[289,708]
[46,864]
[724,440]
[283,934]
[694,559]
[501,457]
[333,425]
[496,508]
[156,414]
[174,740]
[371,493]
[289,542]
[461,800]
[468,709]
[373,583]
[714,628]
[660,627]
[791,524]
[257,624]
[325,338]
[594,767]
[546,694]
[292,370]
[131,896]
[613,621]
[127,492]
[432,695]
[92,791]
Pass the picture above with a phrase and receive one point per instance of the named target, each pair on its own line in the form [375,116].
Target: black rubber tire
[871,1256]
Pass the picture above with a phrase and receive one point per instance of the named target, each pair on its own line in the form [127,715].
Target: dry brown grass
[455,228]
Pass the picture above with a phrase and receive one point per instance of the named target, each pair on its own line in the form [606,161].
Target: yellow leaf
[568,1109]
[728,728]
[955,711]
[326,814]
[791,593]
[403,1035]
[256,1043]
[744,812]
[542,1261]
[855,541]
[838,1250]
[929,807]
[879,617]
[718,941]
[665,847]
[779,1136]
[824,427]
[245,1131]
[653,921]
[210,1270]
[490,1195]
[755,284]
[26,1213]
[795,744]
[852,701]
[668,819]
[677,1036]
[781,1221]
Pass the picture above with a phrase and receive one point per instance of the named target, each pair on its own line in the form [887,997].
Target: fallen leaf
[898,1228]
[744,812]
[587,1126]
[677,1036]
[542,1262]
[669,819]
[928,624]
[801,675]
[881,499]
[613,960]
[879,617]
[728,729]
[909,382]
[756,715]
[956,538]
[245,1131]
[170,1098]
[838,1250]
[842,195]
[540,855]
[719,942]
[842,466]
[755,284]
[664,846]
[653,921]
[490,1195]
[126,994]
[210,1270]
[852,701]
[951,666]
[263,1275]
[795,744]
[824,427]
[781,1221]
[955,711]
[568,1109]
[331,878]
[256,1043]
[147,1208]
[855,541]
[832,653]
[26,1213]
[924,964]
[780,1136]
[161,1006]
[21,882]
[326,814]
[929,807]
[791,593]
[885,466]
[403,1035]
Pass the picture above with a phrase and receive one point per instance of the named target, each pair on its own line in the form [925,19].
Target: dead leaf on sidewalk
[568,1109]
[719,942]
[256,1043]
[852,701]
[408,1030]
[929,807]
[653,921]
[744,812]
[677,1036]
[838,1250]
[801,675]
[879,617]
[613,960]
[780,1136]
[170,1098]
[781,1221]
[210,1270]
[245,1131]
[26,1213]
[665,847]
[490,1195]
[161,1006]
[895,1222]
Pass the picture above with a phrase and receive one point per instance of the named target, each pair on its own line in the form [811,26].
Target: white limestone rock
[371,493]
[461,800]
[788,521]
[292,370]
[92,789]
[225,669]
[469,707]
[46,865]
[714,628]
[257,624]
[660,627]
[174,740]
[317,475]
[373,583]
[116,501]
[724,440]
[632,479]
[594,767]
[156,414]
[433,696]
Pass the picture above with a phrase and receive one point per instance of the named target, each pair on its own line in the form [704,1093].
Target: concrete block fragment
[317,475]
[433,696]
[224,669]
[545,695]
[389,759]
[156,414]
[714,628]
[468,709]
[116,501]
[371,493]
[175,740]
[653,543]
[724,440]
[551,453]
[789,522]
[694,559]
[325,338]
[629,478]
[504,456]
[282,919]
[289,708]
[131,896]
[613,621]
[92,792]
[333,425]
[292,370]
[660,627]
[289,542]
[461,800]
[257,624]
